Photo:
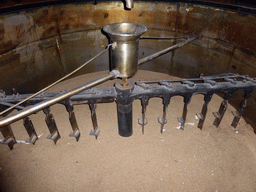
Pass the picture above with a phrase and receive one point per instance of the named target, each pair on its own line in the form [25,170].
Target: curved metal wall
[41,44]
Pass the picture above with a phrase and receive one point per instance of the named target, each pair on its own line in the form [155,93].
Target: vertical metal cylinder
[124,115]
[124,58]
[124,90]
[124,55]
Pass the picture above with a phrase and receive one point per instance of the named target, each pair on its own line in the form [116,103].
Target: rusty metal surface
[230,27]
[244,3]
[40,45]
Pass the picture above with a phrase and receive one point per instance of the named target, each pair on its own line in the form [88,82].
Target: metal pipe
[129,4]
[124,101]
[56,82]
[30,110]
[155,55]
[124,116]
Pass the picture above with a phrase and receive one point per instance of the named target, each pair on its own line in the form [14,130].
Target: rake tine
[223,107]
[49,119]
[238,114]
[9,138]
[162,120]
[202,115]
[26,122]
[72,119]
[95,131]
[219,115]
[30,130]
[182,120]
[143,121]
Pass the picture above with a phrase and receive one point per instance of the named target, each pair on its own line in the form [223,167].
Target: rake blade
[49,119]
[236,119]
[30,130]
[201,116]
[203,113]
[219,115]
[95,131]
[182,122]
[72,119]
[143,121]
[9,138]
[182,119]
[238,114]
[162,120]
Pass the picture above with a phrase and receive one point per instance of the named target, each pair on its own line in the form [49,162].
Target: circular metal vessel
[42,42]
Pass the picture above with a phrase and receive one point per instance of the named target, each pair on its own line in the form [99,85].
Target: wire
[61,79]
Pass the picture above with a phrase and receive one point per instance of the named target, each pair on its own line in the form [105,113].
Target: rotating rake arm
[124,43]
[124,95]
[44,105]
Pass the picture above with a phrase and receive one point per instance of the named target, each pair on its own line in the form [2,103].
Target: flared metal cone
[124,56]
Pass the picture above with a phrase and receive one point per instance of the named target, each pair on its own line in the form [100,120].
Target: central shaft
[124,51]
